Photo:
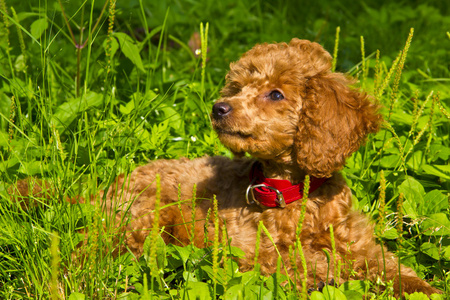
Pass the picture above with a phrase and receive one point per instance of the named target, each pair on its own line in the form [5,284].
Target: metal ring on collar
[251,187]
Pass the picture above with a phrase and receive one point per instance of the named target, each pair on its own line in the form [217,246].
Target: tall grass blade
[54,249]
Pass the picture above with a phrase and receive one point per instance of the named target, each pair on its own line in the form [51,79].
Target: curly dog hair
[282,105]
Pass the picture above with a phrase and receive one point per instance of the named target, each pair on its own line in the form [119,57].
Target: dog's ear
[334,121]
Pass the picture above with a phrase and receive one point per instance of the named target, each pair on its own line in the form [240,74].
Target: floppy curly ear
[334,121]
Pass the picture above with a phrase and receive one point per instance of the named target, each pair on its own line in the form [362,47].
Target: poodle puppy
[282,105]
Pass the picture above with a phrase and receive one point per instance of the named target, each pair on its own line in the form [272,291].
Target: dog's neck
[278,170]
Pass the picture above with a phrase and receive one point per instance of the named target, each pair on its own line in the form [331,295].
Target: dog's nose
[221,109]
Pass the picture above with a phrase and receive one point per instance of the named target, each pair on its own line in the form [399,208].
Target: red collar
[276,192]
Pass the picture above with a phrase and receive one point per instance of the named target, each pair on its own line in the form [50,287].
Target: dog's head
[281,102]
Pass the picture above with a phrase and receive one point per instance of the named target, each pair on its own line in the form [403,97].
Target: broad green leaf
[66,113]
[128,296]
[401,117]
[198,290]
[413,192]
[19,64]
[235,292]
[440,151]
[232,268]
[183,252]
[77,296]
[436,225]
[4,139]
[447,252]
[415,160]
[442,171]
[190,276]
[218,276]
[430,249]
[317,296]
[31,168]
[273,283]
[5,110]
[353,295]
[171,114]
[437,297]
[128,108]
[161,252]
[390,234]
[257,292]
[354,285]
[129,49]
[435,201]
[332,293]
[249,277]
[389,161]
[237,252]
[38,27]
[417,296]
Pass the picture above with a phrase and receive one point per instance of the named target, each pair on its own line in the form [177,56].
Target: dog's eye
[276,95]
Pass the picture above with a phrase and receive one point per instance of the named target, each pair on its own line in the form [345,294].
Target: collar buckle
[279,199]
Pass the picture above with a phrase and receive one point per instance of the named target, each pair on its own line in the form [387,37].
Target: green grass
[80,108]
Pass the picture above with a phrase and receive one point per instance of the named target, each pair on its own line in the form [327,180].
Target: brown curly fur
[320,122]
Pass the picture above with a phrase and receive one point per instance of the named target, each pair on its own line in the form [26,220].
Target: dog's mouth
[239,134]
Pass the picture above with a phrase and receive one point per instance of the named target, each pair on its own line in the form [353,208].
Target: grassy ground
[91,90]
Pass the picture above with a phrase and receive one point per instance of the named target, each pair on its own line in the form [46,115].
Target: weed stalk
[206,228]
[293,261]
[257,246]
[377,75]
[193,213]
[298,231]
[418,112]
[430,120]
[336,49]
[381,204]
[215,253]
[277,277]
[399,70]
[21,40]
[400,220]
[153,260]
[180,208]
[225,245]
[415,121]
[389,127]
[443,110]
[6,23]
[379,92]
[108,48]
[336,263]
[363,62]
